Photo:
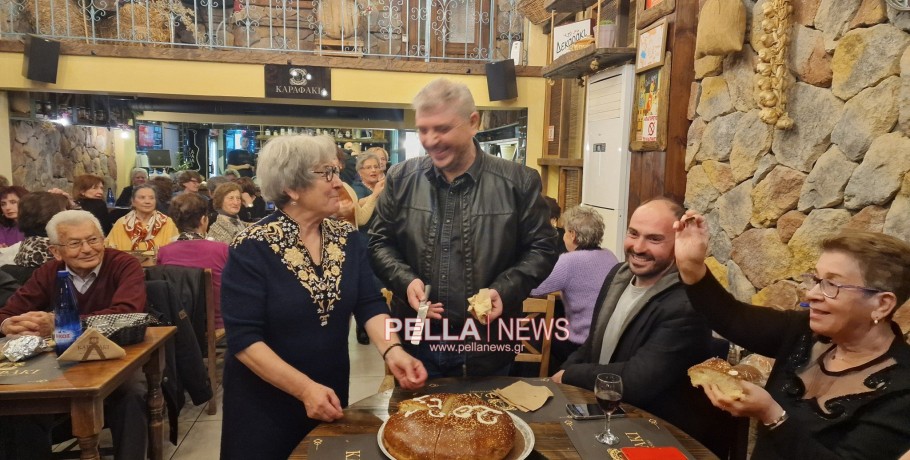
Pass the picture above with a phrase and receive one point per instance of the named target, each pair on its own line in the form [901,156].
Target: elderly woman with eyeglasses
[840,386]
[291,284]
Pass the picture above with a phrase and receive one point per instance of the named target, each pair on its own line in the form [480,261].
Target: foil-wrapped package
[24,347]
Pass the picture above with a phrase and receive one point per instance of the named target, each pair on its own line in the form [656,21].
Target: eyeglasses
[830,289]
[328,172]
[77,244]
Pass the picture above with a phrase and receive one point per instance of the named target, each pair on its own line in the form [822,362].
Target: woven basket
[533,10]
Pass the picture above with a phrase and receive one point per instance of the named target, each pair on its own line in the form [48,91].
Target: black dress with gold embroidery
[273,293]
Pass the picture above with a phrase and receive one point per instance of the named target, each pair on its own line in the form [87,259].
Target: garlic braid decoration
[771,71]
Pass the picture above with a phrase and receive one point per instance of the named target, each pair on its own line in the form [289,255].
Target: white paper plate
[524,440]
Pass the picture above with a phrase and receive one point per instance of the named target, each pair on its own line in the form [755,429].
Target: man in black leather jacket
[460,220]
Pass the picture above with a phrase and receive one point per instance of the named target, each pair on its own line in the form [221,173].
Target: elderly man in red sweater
[107,281]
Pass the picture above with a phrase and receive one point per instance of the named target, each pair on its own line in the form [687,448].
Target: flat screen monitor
[160,159]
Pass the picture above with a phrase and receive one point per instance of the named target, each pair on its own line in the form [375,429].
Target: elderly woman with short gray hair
[138,176]
[579,274]
[291,284]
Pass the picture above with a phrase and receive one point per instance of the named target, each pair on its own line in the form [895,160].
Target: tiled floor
[200,433]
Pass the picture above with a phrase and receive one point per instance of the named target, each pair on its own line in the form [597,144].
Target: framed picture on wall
[652,46]
[648,11]
[650,109]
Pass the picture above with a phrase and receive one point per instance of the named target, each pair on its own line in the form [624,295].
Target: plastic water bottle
[67,326]
[110,197]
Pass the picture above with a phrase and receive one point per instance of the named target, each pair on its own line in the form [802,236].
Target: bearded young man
[645,330]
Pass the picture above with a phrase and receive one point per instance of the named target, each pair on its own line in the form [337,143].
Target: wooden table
[82,389]
[551,441]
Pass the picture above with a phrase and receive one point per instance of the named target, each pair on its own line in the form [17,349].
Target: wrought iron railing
[428,30]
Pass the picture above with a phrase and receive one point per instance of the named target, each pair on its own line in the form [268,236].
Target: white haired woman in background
[579,274]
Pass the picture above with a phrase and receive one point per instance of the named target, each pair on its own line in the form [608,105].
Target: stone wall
[46,155]
[771,195]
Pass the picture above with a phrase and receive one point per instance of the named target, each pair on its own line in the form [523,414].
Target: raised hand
[691,246]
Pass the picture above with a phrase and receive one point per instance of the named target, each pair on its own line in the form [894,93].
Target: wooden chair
[212,338]
[197,291]
[537,310]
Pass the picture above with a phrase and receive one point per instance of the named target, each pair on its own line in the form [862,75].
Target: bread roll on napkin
[726,377]
[480,305]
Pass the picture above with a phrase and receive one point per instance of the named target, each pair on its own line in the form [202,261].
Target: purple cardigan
[10,235]
[579,275]
[199,254]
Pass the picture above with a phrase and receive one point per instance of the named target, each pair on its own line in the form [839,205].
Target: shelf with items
[575,64]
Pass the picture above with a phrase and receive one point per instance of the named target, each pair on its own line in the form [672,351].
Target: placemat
[632,432]
[359,446]
[552,411]
[41,368]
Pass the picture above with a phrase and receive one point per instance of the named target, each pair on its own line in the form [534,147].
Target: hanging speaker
[501,84]
[41,58]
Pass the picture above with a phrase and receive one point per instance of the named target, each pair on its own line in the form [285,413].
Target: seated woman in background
[10,197]
[253,205]
[143,228]
[227,203]
[37,208]
[88,194]
[579,274]
[138,176]
[373,179]
[840,385]
[191,249]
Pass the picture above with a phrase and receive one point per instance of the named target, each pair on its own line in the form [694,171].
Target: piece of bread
[448,427]
[726,377]
[480,305]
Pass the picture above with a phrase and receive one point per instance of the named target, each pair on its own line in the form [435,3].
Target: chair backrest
[190,284]
[19,272]
[539,351]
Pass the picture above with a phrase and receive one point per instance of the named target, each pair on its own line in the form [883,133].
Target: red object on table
[653,453]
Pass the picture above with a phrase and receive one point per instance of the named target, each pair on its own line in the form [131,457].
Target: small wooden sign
[298,82]
[564,36]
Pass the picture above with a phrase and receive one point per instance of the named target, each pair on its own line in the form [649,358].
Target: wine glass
[608,391]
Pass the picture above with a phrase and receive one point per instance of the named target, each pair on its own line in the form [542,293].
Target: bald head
[649,242]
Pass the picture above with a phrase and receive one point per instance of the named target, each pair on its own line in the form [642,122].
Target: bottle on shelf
[110,197]
[67,325]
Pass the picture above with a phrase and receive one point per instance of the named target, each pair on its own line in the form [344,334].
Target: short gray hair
[287,162]
[443,92]
[215,181]
[71,217]
[137,170]
[366,156]
[587,225]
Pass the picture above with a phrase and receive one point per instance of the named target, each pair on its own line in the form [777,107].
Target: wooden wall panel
[646,181]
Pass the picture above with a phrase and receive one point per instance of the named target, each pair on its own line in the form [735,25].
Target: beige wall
[207,80]
[6,162]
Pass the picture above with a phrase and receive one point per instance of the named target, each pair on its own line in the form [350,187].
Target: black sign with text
[298,82]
